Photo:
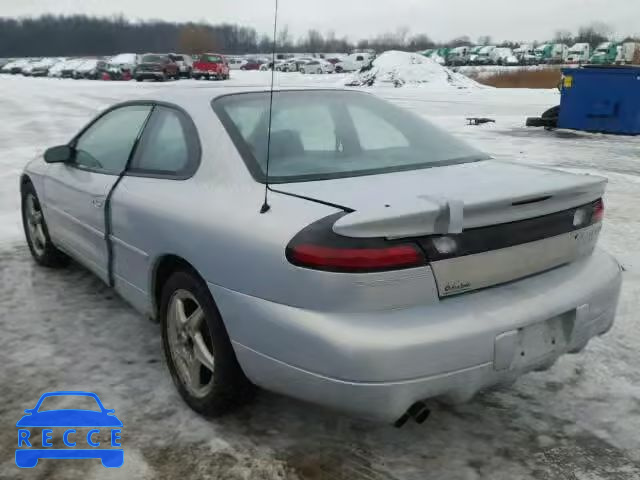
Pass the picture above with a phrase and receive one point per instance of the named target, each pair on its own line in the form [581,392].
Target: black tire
[230,387]
[47,255]
[138,79]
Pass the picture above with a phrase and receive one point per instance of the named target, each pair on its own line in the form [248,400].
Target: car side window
[169,145]
[106,145]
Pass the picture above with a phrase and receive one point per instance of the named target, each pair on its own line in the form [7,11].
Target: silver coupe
[335,247]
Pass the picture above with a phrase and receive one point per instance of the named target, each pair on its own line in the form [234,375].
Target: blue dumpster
[597,99]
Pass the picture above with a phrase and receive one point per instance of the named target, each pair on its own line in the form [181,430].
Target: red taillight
[357,259]
[598,211]
[318,247]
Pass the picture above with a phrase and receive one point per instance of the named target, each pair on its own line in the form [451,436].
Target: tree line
[80,35]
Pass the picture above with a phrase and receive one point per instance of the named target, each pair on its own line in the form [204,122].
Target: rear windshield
[153,59]
[319,135]
[212,58]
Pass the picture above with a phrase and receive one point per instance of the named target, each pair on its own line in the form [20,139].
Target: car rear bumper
[378,364]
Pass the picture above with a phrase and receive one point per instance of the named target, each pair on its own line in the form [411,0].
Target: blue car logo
[29,452]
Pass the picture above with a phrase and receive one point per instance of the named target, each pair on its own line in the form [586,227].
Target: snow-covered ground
[65,330]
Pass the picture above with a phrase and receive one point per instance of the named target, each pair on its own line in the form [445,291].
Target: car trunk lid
[503,217]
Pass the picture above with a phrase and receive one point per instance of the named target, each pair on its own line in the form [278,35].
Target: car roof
[194,97]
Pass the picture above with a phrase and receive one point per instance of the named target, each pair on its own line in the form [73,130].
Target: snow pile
[124,59]
[400,68]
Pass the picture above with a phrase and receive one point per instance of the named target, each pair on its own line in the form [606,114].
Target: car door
[144,207]
[76,193]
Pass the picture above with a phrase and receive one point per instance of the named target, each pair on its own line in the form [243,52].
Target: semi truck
[605,54]
[458,56]
[503,56]
[484,55]
[473,54]
[628,54]
[525,54]
[579,53]
[551,53]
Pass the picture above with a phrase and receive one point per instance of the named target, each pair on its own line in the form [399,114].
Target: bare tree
[284,41]
[563,36]
[594,34]
[484,40]
[420,42]
[314,41]
[196,39]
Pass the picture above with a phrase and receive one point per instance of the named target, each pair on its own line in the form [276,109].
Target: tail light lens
[317,247]
[598,211]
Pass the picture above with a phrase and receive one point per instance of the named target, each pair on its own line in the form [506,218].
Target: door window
[169,145]
[105,147]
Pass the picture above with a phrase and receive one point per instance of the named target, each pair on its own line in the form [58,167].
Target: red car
[210,66]
[251,64]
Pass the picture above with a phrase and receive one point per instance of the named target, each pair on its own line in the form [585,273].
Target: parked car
[70,66]
[185,64]
[124,61]
[16,66]
[156,66]
[250,64]
[121,67]
[41,68]
[3,62]
[234,63]
[265,67]
[382,269]
[211,66]
[55,71]
[355,62]
[27,68]
[289,65]
[317,66]
[90,69]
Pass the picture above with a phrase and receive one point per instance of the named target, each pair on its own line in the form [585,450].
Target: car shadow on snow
[65,330]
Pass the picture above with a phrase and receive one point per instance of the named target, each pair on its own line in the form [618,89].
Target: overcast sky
[440,19]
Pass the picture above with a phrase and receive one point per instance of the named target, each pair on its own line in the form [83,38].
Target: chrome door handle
[97,202]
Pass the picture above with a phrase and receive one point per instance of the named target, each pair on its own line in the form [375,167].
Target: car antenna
[265,206]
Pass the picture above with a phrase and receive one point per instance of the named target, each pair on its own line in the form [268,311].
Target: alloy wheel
[35,225]
[190,344]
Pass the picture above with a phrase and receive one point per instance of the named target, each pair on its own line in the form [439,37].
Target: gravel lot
[64,330]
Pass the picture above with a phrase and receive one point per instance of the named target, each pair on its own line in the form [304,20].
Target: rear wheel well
[167,266]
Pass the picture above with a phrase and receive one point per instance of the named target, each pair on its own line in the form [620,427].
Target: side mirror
[59,154]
